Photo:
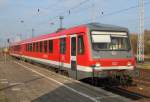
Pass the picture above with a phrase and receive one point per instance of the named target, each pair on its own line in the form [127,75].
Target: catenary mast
[140,42]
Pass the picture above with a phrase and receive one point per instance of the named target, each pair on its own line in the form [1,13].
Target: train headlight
[129,64]
[97,65]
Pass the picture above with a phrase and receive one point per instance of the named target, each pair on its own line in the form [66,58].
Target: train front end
[111,52]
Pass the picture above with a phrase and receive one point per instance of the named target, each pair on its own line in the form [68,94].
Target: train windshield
[110,40]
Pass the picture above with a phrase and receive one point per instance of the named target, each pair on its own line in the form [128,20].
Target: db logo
[114,53]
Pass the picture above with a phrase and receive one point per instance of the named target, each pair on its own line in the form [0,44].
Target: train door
[73,58]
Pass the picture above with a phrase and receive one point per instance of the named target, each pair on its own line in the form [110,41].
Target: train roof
[90,26]
[105,27]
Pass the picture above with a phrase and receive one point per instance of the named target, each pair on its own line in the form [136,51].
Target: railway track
[143,82]
[122,91]
[125,91]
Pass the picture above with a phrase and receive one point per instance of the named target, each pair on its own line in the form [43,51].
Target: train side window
[45,46]
[62,45]
[80,44]
[26,47]
[17,48]
[50,46]
[31,47]
[40,46]
[73,46]
[36,46]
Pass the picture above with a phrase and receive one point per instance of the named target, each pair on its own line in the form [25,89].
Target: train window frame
[129,47]
[62,45]
[41,46]
[73,46]
[50,46]
[37,46]
[26,47]
[81,46]
[34,44]
[17,48]
[30,47]
[45,46]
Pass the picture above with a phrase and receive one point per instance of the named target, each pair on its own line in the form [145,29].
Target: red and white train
[82,51]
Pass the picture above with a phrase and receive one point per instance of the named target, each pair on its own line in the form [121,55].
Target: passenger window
[73,46]
[80,44]
[30,47]
[36,46]
[33,47]
[26,47]
[45,46]
[62,45]
[17,48]
[50,46]
[40,46]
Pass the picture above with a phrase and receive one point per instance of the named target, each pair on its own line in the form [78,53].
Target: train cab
[109,50]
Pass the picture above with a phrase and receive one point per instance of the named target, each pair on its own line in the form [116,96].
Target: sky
[19,17]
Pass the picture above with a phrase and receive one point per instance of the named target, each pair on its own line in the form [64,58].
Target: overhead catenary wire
[71,11]
[124,10]
[67,12]
[52,6]
[118,11]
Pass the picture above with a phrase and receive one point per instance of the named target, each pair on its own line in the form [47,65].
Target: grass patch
[144,66]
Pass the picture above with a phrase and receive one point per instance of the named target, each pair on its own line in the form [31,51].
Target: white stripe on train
[79,67]
[50,38]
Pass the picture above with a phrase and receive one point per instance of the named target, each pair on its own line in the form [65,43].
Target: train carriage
[83,51]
